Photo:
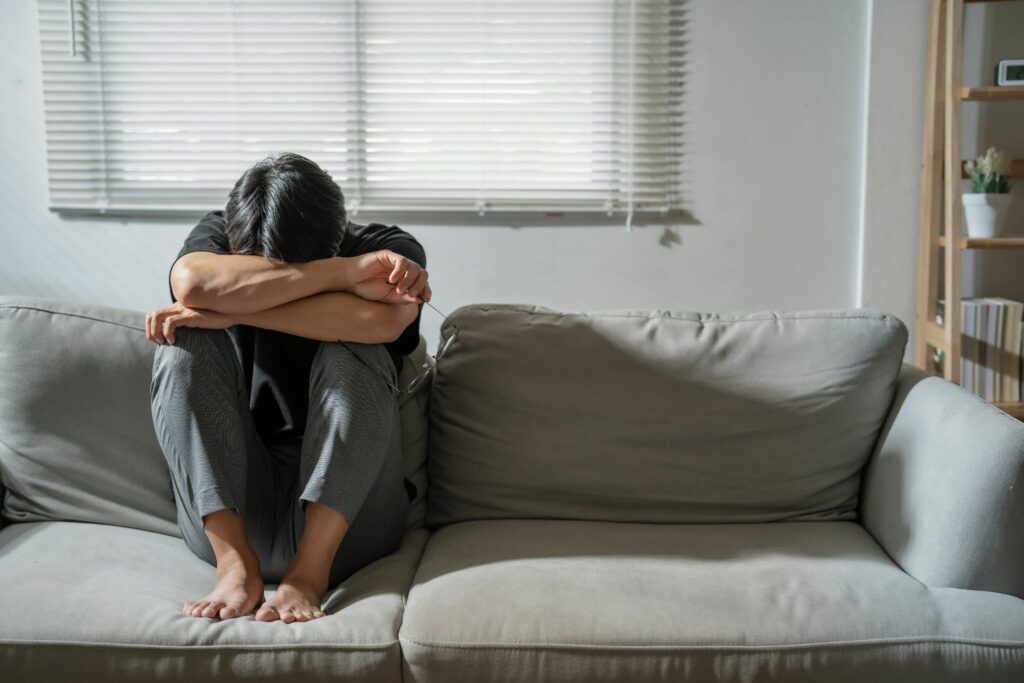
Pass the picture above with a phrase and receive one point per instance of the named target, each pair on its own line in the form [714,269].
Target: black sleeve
[207,235]
[401,242]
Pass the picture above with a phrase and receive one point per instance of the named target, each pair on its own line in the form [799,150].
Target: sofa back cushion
[657,416]
[76,429]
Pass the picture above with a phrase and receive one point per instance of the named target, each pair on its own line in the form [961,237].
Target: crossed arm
[369,299]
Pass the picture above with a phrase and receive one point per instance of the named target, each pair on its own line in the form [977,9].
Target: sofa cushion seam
[789,315]
[211,647]
[73,315]
[1009,644]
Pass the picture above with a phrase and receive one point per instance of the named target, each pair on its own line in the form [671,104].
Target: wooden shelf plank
[951,75]
[986,242]
[1016,168]
[931,181]
[934,335]
[1014,408]
[993,93]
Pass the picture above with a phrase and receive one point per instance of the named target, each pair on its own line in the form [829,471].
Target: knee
[335,362]
[346,358]
[194,340]
[192,347]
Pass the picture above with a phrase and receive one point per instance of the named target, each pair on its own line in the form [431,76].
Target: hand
[161,323]
[388,277]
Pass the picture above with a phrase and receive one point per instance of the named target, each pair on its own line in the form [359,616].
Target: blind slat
[459,105]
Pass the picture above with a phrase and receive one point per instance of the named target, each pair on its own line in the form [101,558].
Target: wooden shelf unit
[986,242]
[942,168]
[1005,92]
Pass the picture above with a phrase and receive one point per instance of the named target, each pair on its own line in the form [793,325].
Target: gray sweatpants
[349,459]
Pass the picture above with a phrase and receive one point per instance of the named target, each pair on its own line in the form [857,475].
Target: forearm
[334,316]
[237,283]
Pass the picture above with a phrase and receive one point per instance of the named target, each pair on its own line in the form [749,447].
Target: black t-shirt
[277,364]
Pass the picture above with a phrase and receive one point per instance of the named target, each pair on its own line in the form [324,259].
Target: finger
[404,273]
[151,324]
[416,288]
[402,286]
[415,284]
[428,293]
[399,265]
[158,322]
[170,322]
[149,332]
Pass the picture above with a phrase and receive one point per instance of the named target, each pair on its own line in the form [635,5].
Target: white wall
[891,184]
[778,127]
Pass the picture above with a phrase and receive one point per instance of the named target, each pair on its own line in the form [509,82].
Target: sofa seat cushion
[85,601]
[566,600]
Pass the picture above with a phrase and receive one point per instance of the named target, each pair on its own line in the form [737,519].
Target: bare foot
[296,599]
[239,588]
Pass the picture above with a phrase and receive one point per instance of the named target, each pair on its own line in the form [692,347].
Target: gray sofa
[612,496]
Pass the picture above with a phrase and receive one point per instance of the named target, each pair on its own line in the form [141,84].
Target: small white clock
[1010,72]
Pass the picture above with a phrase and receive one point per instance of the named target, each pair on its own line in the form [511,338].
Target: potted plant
[985,206]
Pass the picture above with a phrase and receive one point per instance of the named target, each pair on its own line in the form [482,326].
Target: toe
[212,608]
[319,613]
[229,612]
[267,614]
[288,617]
[197,608]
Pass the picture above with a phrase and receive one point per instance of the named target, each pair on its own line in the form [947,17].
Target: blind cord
[630,107]
[72,37]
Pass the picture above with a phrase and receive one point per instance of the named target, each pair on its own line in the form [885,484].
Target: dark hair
[286,207]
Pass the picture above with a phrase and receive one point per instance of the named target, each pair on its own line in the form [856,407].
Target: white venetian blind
[453,105]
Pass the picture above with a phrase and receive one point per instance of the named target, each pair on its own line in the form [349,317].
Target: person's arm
[334,316]
[238,283]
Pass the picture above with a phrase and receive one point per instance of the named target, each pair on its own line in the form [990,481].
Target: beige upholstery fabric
[413,413]
[944,494]
[656,416]
[76,433]
[601,432]
[92,602]
[554,600]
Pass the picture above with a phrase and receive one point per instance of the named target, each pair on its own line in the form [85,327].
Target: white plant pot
[985,214]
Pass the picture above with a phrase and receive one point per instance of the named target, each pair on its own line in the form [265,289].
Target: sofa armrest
[943,493]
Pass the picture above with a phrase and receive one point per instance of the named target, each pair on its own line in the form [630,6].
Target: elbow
[187,287]
[394,319]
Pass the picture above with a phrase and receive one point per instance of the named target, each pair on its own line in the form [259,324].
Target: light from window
[454,105]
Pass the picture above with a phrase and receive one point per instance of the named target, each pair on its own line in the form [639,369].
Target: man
[274,390]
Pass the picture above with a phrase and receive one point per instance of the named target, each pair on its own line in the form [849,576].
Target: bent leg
[206,432]
[351,457]
[379,526]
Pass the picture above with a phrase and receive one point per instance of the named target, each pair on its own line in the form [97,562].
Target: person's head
[287,208]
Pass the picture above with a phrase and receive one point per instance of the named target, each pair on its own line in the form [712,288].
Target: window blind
[448,105]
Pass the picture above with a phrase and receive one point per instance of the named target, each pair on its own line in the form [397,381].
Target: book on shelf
[991,346]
